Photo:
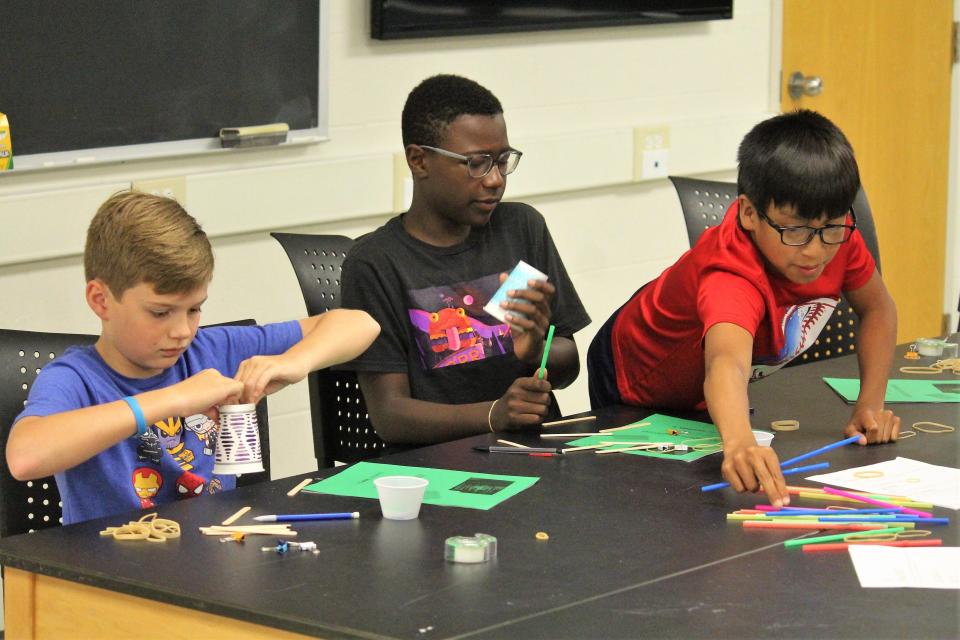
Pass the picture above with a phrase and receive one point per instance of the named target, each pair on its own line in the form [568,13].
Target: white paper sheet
[916,567]
[916,480]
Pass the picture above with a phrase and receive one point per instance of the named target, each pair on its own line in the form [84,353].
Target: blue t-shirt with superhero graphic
[174,458]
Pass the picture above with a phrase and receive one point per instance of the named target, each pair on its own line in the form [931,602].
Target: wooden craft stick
[585,447]
[235,516]
[638,447]
[567,435]
[555,423]
[271,530]
[296,489]
[513,444]
[626,426]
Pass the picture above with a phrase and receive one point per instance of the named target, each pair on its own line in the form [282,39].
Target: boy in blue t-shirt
[131,421]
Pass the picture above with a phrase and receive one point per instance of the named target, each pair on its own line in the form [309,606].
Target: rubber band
[903,435]
[785,425]
[922,370]
[944,428]
[866,475]
[915,533]
[837,507]
[149,528]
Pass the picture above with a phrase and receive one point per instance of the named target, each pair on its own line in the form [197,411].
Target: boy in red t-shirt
[754,293]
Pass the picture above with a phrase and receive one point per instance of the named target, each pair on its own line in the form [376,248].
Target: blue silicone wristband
[138,414]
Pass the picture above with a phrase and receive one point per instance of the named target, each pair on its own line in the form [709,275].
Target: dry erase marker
[522,450]
[298,517]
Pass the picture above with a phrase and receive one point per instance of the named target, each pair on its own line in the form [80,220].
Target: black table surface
[635,549]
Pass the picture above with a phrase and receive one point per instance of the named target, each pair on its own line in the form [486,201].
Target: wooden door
[885,67]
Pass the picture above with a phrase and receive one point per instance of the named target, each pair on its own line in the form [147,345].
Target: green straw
[546,352]
[840,536]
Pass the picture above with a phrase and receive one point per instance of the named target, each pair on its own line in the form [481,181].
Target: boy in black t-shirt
[443,368]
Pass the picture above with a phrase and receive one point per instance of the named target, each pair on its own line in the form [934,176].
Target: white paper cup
[400,496]
[764,438]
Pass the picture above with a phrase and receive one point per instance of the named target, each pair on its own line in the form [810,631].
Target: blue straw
[787,463]
[817,452]
[786,472]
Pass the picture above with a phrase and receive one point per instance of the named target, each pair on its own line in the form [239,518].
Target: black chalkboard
[104,73]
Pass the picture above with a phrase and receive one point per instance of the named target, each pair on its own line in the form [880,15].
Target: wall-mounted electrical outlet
[175,188]
[651,148]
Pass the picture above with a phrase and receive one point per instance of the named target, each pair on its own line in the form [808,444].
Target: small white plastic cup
[400,496]
[764,438]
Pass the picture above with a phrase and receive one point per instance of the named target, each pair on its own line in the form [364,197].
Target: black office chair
[27,506]
[704,203]
[341,425]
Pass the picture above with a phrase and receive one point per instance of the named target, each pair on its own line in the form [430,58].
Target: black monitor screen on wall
[396,19]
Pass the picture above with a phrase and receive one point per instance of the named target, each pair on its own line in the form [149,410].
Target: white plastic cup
[400,496]
[763,438]
[949,350]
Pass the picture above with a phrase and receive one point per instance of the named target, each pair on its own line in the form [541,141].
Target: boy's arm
[400,419]
[728,350]
[330,338]
[42,446]
[876,342]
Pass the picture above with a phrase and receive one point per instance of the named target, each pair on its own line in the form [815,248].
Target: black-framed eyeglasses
[480,164]
[799,236]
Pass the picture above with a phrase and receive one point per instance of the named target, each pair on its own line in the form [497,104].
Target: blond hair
[137,237]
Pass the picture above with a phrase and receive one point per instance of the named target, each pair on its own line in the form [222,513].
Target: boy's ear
[748,213]
[415,160]
[98,298]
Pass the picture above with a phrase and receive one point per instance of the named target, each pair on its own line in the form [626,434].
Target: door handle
[801,85]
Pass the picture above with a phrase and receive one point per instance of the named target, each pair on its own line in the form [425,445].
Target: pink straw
[853,496]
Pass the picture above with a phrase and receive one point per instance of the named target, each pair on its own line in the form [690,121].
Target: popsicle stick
[556,423]
[235,516]
[626,426]
[296,489]
[513,444]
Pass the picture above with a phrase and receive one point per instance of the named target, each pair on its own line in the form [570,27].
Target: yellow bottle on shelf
[6,146]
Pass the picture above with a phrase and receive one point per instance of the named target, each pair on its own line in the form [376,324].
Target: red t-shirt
[657,339]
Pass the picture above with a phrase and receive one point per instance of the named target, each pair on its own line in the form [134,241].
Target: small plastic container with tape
[470,549]
[930,346]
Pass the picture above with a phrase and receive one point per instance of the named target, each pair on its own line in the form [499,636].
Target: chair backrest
[341,425]
[34,504]
[704,203]
[27,506]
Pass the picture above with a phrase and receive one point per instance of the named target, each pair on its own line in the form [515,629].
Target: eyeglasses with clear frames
[799,236]
[480,164]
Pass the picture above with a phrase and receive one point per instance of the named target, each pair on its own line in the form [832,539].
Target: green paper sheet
[656,431]
[899,390]
[447,488]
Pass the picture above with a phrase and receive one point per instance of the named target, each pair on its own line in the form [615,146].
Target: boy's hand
[529,317]
[524,404]
[204,392]
[263,375]
[873,426]
[750,468]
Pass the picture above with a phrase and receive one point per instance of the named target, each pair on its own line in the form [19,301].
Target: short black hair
[439,100]
[798,159]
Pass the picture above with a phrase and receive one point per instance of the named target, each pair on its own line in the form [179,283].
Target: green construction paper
[447,488]
[656,431]
[900,390]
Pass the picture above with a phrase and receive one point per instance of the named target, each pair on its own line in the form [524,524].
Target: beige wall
[572,101]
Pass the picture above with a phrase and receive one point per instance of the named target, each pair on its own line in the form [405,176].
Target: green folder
[899,390]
